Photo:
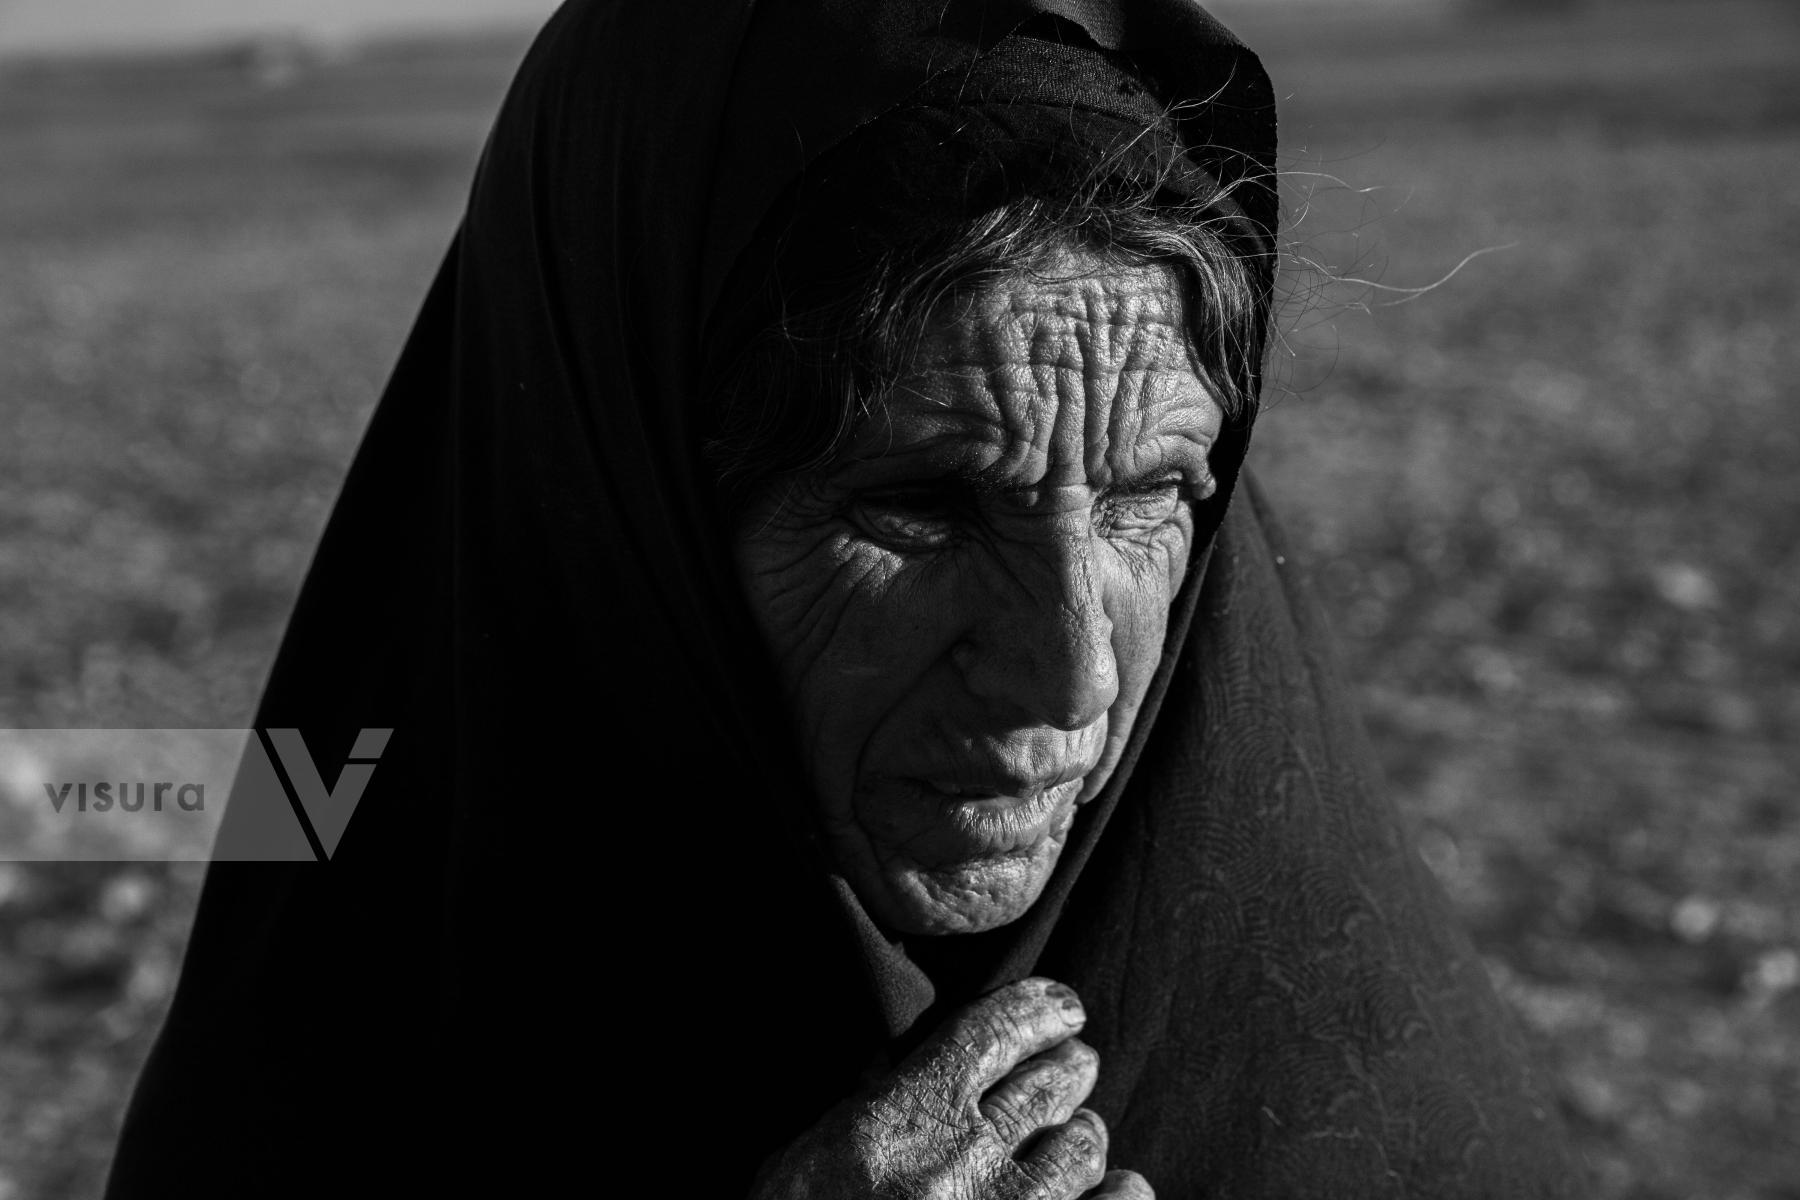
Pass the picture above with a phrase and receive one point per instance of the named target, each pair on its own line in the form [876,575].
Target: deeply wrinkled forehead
[1079,372]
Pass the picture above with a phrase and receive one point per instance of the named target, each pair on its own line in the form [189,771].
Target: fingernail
[1068,1002]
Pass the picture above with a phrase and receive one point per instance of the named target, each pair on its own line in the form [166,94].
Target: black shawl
[576,933]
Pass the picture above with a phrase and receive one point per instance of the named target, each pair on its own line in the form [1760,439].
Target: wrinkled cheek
[862,642]
[867,620]
[1173,551]
[805,611]
[1140,608]
[1138,633]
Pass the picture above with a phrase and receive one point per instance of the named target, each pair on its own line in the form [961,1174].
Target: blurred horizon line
[51,29]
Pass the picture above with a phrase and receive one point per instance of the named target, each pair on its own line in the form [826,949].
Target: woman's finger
[978,1046]
[1123,1185]
[1041,1091]
[1067,1159]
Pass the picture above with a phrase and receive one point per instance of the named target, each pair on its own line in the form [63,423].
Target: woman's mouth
[956,821]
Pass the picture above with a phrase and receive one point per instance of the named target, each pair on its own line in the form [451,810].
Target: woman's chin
[966,897]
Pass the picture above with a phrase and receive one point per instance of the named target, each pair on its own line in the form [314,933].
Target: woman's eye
[918,520]
[1142,508]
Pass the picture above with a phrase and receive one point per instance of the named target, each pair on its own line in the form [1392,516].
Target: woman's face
[968,604]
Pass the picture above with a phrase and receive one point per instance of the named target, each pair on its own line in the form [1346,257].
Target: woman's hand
[989,1108]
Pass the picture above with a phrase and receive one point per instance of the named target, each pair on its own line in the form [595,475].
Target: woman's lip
[976,789]
[966,828]
[991,796]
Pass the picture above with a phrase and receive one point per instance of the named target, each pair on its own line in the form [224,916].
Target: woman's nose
[1043,644]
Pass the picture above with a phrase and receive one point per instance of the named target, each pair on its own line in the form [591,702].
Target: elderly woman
[856,731]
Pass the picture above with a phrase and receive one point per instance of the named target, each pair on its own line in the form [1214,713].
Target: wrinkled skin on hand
[988,1108]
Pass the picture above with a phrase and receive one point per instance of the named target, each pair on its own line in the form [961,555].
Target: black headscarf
[577,933]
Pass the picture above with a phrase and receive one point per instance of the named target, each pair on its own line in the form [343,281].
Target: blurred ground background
[1550,504]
